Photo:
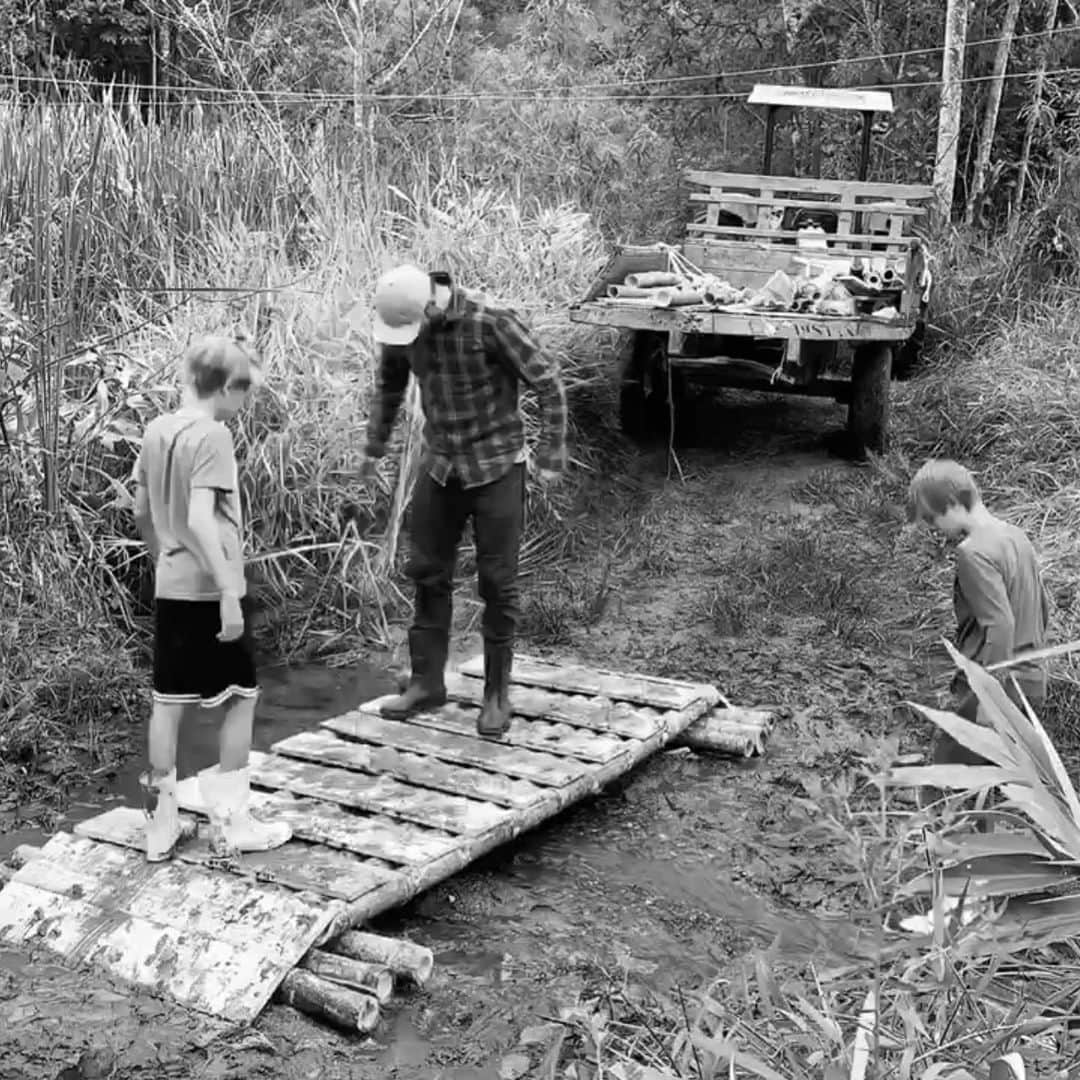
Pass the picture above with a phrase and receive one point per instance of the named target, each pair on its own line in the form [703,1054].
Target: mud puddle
[294,698]
[639,882]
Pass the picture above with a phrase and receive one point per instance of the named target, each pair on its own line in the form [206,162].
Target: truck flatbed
[703,319]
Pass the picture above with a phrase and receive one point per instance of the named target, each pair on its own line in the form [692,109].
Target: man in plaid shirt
[469,358]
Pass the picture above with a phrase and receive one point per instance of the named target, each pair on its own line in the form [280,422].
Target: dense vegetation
[168,168]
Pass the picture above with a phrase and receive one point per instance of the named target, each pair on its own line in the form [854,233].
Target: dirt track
[775,571]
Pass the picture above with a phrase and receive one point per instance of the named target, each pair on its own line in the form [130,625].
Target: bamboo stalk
[373,979]
[404,959]
[647,278]
[340,1006]
[618,292]
[677,297]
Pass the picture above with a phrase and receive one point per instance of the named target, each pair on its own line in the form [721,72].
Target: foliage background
[171,167]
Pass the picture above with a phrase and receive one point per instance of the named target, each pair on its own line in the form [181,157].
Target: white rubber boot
[163,816]
[232,828]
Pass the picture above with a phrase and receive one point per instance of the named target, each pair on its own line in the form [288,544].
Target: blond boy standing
[187,509]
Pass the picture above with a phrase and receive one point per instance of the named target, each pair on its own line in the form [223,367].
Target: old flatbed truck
[753,226]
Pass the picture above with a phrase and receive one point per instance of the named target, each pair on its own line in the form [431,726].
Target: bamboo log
[342,1007]
[373,979]
[405,959]
[25,853]
[675,297]
[730,731]
[647,278]
[737,714]
[723,742]
[622,292]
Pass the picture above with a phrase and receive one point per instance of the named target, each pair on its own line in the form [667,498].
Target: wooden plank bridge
[381,810]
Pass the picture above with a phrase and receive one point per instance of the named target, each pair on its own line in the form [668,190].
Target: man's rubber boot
[495,717]
[428,651]
[163,831]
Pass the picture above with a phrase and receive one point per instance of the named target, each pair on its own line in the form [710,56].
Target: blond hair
[215,362]
[938,485]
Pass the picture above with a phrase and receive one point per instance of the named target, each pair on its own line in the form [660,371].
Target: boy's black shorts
[190,665]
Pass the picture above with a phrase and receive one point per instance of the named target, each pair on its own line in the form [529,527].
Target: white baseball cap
[401,296]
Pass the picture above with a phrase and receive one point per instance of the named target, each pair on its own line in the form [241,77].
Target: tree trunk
[993,104]
[952,100]
[1036,102]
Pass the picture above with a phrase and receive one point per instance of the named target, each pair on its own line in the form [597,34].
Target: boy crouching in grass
[998,595]
[187,510]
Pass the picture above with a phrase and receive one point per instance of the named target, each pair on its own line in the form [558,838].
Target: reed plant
[124,237]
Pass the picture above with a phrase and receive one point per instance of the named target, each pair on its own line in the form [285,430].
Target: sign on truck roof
[810,97]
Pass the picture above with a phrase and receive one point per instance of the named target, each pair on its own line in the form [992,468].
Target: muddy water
[294,699]
[639,880]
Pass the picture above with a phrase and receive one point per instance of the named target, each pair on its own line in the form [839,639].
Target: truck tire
[644,409]
[868,408]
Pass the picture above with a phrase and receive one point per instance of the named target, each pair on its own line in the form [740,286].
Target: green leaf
[996,843]
[957,777]
[1047,815]
[987,876]
[723,1050]
[1009,720]
[982,740]
[1027,924]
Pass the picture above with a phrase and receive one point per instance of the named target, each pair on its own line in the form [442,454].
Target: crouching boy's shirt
[1000,602]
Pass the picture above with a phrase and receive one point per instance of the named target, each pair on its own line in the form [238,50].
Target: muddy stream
[639,880]
[656,884]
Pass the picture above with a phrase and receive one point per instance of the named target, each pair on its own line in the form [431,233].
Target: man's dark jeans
[437,521]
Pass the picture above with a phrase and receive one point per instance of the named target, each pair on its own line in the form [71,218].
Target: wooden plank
[210,941]
[749,181]
[297,866]
[366,725]
[376,794]
[817,97]
[329,749]
[580,710]
[579,679]
[717,195]
[366,835]
[765,234]
[545,736]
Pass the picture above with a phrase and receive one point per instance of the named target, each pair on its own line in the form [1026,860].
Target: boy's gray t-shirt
[180,452]
[998,577]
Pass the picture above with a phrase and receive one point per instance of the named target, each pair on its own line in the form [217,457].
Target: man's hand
[350,510]
[548,477]
[232,617]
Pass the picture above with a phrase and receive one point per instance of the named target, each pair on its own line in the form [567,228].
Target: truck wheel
[868,409]
[644,411]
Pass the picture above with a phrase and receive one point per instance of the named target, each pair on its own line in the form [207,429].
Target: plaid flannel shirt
[469,361]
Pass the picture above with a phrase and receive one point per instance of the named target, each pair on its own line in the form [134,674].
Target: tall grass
[124,239]
[131,237]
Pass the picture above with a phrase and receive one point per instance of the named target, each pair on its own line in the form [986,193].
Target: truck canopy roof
[809,97]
